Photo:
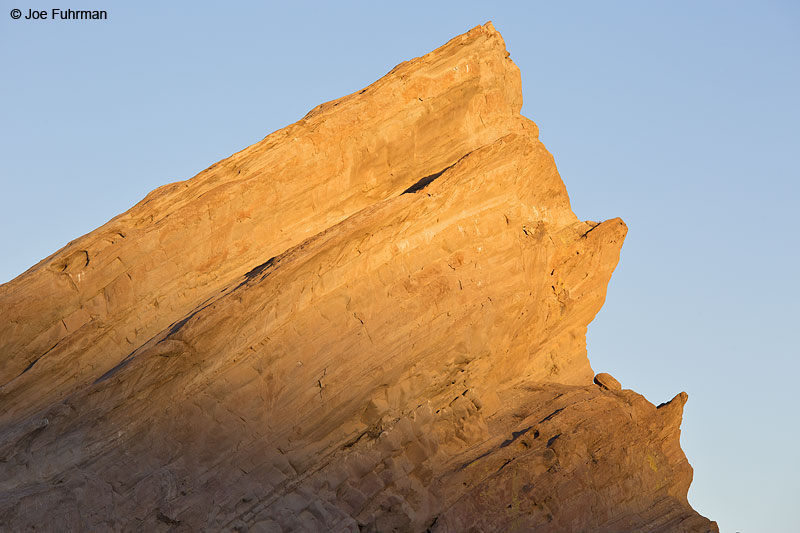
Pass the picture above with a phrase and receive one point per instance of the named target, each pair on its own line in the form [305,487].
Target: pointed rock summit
[371,320]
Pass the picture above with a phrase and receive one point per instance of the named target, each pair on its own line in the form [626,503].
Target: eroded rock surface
[607,381]
[372,320]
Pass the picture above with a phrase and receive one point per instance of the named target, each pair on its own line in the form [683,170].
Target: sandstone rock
[607,381]
[371,320]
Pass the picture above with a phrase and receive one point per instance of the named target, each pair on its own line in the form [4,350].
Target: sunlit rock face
[372,320]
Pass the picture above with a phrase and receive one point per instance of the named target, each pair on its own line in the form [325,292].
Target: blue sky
[680,117]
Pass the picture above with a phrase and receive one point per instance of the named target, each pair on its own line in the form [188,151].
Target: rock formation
[372,320]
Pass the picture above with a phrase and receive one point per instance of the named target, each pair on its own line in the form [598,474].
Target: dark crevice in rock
[260,268]
[119,366]
[167,520]
[176,326]
[372,433]
[33,363]
[257,271]
[424,182]
[427,180]
[551,415]
[590,230]
[505,464]
[173,328]
[514,436]
[481,456]
[517,434]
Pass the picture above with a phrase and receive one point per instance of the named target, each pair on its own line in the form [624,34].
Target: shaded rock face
[372,320]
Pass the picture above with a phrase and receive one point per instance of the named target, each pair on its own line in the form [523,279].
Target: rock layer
[373,319]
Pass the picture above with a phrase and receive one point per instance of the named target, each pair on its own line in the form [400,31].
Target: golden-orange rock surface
[372,320]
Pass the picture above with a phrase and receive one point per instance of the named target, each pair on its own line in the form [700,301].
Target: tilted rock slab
[372,320]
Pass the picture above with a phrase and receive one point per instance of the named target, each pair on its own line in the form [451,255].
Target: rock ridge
[372,320]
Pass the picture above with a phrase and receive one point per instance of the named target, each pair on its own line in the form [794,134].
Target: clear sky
[681,117]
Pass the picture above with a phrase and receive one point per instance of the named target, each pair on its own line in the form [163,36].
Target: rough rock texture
[607,381]
[372,320]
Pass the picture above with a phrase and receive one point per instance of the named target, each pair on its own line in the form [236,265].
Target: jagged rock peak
[372,320]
